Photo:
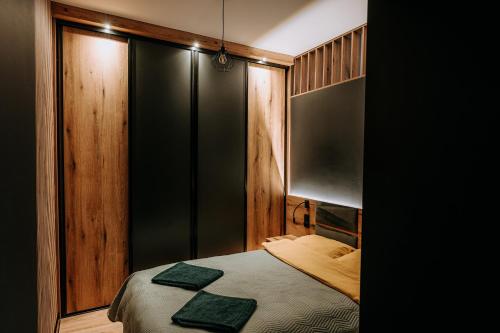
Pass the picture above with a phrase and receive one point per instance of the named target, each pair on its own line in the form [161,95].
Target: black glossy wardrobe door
[160,154]
[221,158]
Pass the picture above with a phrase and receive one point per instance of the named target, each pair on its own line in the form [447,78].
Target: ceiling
[286,26]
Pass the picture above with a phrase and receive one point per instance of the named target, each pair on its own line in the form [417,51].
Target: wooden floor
[91,322]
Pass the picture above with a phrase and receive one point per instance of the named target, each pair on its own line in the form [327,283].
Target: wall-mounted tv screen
[326,144]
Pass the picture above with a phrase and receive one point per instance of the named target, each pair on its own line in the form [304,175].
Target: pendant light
[222,61]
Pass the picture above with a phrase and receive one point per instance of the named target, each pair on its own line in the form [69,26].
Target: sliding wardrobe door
[221,158]
[160,154]
[266,153]
[95,156]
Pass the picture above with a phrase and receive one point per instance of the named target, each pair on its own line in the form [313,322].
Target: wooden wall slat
[337,60]
[266,150]
[288,114]
[95,126]
[304,74]
[365,31]
[357,46]
[297,77]
[346,57]
[328,64]
[319,66]
[46,175]
[311,80]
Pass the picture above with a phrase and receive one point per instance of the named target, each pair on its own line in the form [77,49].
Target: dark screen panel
[221,158]
[326,157]
[160,155]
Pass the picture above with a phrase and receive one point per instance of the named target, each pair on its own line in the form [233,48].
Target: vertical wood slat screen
[340,59]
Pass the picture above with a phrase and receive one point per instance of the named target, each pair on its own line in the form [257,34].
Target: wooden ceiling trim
[98,19]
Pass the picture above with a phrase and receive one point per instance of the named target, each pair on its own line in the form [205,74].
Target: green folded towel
[187,276]
[215,312]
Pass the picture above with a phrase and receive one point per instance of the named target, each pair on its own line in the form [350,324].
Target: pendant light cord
[223,1]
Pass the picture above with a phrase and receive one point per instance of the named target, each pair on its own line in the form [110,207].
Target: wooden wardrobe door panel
[221,158]
[95,127]
[266,153]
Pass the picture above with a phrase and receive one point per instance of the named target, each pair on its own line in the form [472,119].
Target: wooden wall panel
[95,94]
[298,228]
[266,153]
[46,175]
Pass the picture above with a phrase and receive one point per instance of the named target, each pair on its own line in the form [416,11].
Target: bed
[289,300]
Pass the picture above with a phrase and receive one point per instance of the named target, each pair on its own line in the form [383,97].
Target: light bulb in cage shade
[222,59]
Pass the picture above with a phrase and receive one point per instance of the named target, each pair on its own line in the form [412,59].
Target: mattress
[287,299]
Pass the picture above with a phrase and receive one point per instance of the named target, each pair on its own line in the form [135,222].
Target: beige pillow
[330,247]
[351,261]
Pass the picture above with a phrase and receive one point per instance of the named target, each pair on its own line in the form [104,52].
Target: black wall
[413,169]
[17,168]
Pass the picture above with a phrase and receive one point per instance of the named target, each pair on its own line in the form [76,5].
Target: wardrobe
[156,148]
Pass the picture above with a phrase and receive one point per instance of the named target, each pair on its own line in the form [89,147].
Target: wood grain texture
[95,94]
[328,64]
[319,66]
[46,174]
[360,228]
[346,57]
[91,322]
[304,74]
[79,15]
[363,52]
[337,61]
[290,89]
[266,153]
[296,75]
[356,50]
[311,81]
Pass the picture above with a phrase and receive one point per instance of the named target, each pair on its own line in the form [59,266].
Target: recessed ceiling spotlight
[196,44]
[107,27]
[264,59]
